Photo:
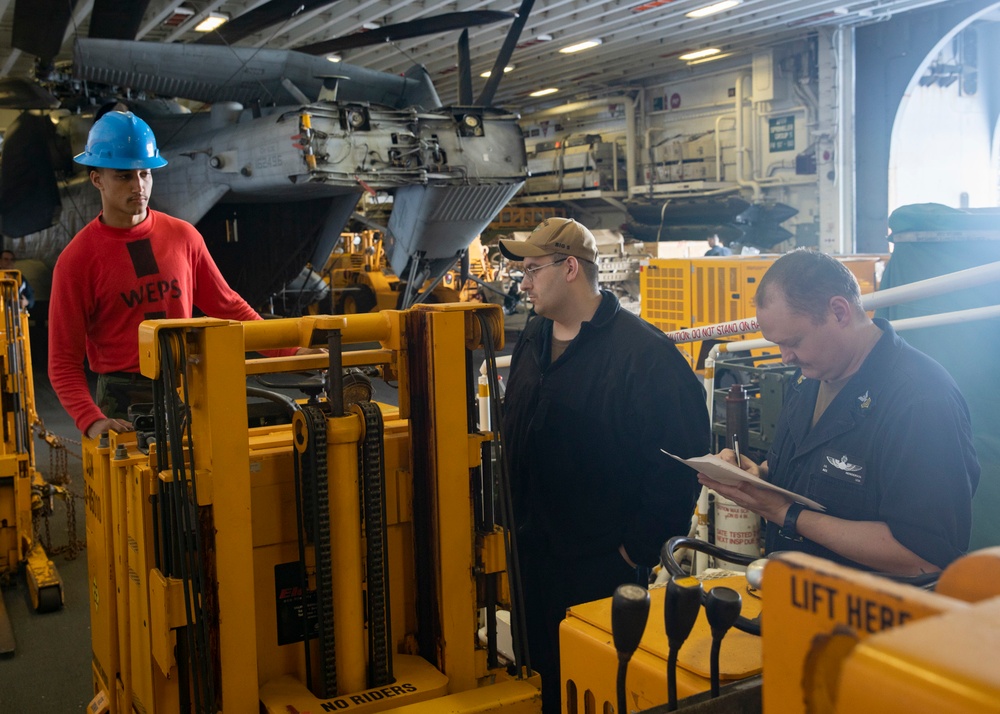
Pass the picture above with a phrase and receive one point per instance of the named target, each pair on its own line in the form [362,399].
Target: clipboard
[727,473]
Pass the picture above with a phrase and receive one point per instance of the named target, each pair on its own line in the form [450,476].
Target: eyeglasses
[530,272]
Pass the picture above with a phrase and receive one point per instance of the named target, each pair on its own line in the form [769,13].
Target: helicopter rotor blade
[464,70]
[20,93]
[260,18]
[509,44]
[405,30]
[39,26]
[29,200]
[116,19]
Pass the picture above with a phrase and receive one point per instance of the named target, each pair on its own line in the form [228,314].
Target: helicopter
[272,171]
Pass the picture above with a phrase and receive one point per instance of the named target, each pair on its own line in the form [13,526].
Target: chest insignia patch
[842,468]
[865,401]
[843,464]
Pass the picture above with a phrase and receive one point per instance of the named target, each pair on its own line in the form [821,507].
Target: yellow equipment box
[684,293]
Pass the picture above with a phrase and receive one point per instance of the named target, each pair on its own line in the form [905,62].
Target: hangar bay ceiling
[638,40]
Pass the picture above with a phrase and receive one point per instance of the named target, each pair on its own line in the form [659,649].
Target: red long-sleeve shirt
[107,281]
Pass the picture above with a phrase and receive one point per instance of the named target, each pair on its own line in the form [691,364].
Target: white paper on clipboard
[727,473]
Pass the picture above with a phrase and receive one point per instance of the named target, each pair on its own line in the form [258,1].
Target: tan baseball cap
[553,235]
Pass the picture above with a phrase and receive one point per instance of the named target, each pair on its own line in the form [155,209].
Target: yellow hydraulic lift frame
[244,484]
[18,476]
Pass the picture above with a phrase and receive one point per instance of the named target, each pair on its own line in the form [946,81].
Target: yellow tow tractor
[361,281]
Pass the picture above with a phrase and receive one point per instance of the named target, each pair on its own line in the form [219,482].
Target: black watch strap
[788,528]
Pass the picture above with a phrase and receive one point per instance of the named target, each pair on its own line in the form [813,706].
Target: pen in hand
[736,449]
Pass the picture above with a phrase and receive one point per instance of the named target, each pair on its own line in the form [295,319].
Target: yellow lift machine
[340,561]
[23,491]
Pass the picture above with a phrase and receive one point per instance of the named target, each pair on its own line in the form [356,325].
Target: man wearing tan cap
[594,393]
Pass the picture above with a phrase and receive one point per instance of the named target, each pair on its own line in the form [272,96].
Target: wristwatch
[788,529]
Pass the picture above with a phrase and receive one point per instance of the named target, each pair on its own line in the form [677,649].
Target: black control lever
[680,610]
[629,611]
[722,607]
[751,627]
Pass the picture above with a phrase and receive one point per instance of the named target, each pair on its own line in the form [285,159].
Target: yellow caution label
[99,704]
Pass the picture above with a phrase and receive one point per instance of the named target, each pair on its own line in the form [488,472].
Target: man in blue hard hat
[129,264]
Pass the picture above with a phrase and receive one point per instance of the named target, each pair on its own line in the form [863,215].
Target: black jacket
[584,436]
[895,445]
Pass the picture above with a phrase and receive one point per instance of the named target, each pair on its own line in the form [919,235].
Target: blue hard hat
[121,140]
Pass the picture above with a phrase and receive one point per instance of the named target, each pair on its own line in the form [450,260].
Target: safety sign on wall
[781,133]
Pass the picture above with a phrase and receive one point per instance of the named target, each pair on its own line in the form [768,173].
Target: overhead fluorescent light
[508,68]
[720,6]
[580,46]
[699,54]
[543,92]
[371,25]
[212,22]
[712,58]
[334,57]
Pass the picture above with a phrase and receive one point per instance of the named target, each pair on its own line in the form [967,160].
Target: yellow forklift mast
[22,488]
[341,560]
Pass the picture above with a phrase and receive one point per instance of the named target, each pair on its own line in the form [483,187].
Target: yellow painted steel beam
[343,434]
[220,447]
[101,570]
[449,454]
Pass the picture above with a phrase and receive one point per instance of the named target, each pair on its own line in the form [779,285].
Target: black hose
[519,629]
[184,509]
[925,581]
